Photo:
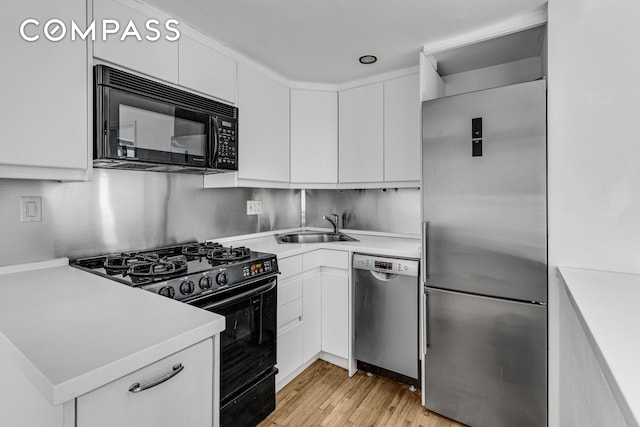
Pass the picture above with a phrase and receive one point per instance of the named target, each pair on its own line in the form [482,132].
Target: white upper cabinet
[202,68]
[380,134]
[263,135]
[402,130]
[361,118]
[157,59]
[45,95]
[314,137]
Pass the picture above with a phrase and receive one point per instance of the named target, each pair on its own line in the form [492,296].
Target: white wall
[594,152]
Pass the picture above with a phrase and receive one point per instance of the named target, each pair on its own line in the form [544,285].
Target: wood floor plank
[324,395]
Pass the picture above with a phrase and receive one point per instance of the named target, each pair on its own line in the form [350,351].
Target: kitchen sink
[313,237]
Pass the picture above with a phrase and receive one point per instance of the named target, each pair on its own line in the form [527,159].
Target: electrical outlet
[254,207]
[30,209]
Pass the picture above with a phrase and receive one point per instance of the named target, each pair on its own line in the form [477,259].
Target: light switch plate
[254,207]
[30,209]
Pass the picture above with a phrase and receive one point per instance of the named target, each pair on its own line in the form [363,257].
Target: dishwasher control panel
[405,267]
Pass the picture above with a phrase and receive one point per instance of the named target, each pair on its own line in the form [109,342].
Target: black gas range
[188,272]
[237,283]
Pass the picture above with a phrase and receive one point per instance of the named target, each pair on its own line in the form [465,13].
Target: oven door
[248,344]
[138,128]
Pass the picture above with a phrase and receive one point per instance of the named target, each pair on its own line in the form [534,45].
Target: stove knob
[167,291]
[222,279]
[205,283]
[187,287]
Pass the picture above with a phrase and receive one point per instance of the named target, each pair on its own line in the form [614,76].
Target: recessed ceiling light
[367,59]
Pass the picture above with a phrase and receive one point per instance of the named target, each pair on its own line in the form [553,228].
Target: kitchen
[592,202]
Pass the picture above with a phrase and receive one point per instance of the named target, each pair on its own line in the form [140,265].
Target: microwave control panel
[227,145]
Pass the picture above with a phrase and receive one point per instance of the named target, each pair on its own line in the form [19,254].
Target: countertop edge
[287,250]
[627,412]
[85,383]
[28,369]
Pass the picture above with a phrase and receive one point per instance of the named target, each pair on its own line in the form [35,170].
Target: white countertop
[70,331]
[404,246]
[607,305]
[70,346]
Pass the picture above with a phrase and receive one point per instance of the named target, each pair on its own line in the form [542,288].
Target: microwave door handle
[213,156]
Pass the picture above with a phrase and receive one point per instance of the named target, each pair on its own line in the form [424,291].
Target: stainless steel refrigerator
[484,307]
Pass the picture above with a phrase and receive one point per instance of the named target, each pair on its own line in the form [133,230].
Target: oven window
[139,128]
[145,129]
[248,344]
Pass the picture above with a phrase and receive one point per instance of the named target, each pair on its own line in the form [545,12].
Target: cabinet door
[44,108]
[402,129]
[335,313]
[184,400]
[157,59]
[312,316]
[361,134]
[289,351]
[264,126]
[203,69]
[314,136]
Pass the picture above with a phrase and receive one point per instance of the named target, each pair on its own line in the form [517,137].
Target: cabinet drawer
[289,291]
[312,260]
[335,259]
[289,312]
[290,266]
[183,400]
[289,351]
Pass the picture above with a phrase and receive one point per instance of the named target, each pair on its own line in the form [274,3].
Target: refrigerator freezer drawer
[486,360]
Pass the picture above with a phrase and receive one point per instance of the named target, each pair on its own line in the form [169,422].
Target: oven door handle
[264,288]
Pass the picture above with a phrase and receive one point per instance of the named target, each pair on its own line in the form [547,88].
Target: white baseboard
[327,357]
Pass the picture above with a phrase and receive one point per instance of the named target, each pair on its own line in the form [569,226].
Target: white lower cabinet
[335,313]
[289,350]
[186,399]
[290,327]
[313,311]
[311,307]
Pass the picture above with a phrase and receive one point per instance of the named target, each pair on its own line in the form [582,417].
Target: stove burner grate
[154,269]
[199,250]
[227,255]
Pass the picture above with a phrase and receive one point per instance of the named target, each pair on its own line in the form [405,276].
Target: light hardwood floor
[324,395]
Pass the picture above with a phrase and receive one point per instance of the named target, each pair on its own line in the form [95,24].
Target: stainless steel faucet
[333,219]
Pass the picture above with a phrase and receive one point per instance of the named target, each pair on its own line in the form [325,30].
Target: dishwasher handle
[384,277]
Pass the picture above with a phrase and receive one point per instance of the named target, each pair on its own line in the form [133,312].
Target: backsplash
[391,210]
[129,210]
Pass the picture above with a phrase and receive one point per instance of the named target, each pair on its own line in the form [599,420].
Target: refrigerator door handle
[425,321]
[425,251]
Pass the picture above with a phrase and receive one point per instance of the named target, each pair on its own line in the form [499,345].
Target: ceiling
[321,40]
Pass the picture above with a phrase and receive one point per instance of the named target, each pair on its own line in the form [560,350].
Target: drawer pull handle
[137,387]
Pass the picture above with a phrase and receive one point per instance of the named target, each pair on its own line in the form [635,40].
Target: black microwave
[142,124]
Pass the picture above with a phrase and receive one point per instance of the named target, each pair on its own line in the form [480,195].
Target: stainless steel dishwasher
[386,300]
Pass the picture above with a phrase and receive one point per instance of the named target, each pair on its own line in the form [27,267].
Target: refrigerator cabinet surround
[484,329]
